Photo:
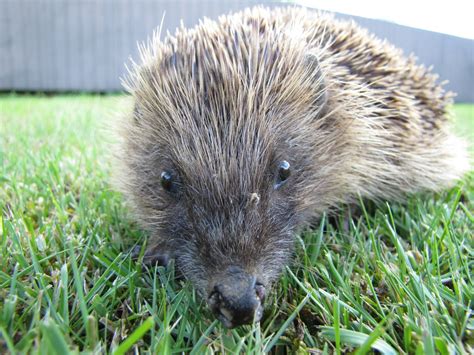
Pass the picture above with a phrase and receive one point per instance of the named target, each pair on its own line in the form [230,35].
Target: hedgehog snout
[237,298]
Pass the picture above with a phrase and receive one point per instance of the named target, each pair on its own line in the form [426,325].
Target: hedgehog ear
[316,73]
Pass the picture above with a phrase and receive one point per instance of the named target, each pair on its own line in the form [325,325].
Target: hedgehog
[247,129]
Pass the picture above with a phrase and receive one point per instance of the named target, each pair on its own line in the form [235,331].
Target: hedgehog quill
[247,129]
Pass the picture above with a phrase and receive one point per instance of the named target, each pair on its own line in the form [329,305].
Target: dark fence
[64,45]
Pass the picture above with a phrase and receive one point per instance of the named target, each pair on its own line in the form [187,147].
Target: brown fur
[222,104]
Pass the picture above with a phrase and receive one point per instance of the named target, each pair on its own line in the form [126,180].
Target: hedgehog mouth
[243,308]
[225,320]
[229,320]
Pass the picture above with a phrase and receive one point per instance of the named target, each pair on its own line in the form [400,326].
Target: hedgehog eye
[167,180]
[283,173]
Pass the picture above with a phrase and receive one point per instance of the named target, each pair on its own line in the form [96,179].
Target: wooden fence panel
[69,45]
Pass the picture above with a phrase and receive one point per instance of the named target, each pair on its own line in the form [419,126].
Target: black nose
[237,298]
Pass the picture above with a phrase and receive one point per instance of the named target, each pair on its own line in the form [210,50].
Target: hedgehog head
[219,154]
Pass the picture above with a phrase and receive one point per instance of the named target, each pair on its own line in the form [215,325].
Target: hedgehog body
[248,128]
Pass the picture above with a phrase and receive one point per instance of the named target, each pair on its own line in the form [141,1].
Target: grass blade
[54,338]
[134,337]
[352,337]
[197,348]
[285,325]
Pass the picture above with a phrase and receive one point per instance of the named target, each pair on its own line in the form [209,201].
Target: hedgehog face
[223,191]
[229,227]
[223,195]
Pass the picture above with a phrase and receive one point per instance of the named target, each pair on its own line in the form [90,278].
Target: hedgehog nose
[237,298]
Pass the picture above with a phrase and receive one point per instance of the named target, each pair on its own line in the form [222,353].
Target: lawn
[398,278]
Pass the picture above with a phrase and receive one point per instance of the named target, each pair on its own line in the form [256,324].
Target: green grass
[397,279]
